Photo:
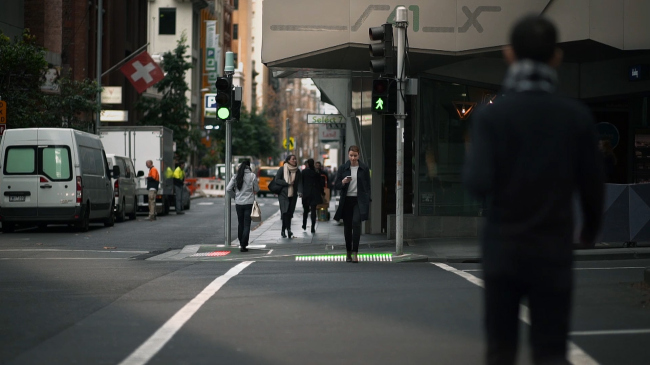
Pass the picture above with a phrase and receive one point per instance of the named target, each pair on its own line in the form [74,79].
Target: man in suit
[529,153]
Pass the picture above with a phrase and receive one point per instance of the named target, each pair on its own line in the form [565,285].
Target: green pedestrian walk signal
[384,92]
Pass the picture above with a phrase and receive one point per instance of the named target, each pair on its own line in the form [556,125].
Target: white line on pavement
[576,355]
[62,258]
[60,250]
[206,203]
[268,253]
[610,332]
[584,268]
[149,348]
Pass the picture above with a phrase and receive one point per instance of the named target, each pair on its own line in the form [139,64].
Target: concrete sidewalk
[328,244]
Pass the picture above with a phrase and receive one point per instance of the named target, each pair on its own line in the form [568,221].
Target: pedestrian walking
[244,185]
[290,178]
[153,182]
[179,183]
[529,153]
[312,192]
[353,181]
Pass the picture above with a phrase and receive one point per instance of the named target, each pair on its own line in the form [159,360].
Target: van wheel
[135,208]
[8,227]
[84,223]
[121,215]
[110,221]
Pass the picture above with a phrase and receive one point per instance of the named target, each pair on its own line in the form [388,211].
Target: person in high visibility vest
[179,182]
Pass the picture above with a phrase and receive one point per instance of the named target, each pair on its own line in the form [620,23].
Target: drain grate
[211,254]
[365,257]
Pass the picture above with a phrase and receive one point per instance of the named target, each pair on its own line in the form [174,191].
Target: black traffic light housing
[236,102]
[384,96]
[224,97]
[382,54]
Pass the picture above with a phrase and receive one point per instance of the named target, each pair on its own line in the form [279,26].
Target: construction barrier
[191,184]
[211,187]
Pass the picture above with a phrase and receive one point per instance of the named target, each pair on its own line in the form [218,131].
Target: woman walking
[244,185]
[289,177]
[353,181]
[312,191]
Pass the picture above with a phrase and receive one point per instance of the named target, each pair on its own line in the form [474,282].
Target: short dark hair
[534,37]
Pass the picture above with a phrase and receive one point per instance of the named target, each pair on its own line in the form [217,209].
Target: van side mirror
[116,172]
[140,173]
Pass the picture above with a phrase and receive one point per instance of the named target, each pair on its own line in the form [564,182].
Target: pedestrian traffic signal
[223,98]
[383,55]
[384,96]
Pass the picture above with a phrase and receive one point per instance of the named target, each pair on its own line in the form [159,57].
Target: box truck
[142,143]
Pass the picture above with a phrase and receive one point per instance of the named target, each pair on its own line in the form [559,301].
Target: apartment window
[167,20]
[235,31]
[236,4]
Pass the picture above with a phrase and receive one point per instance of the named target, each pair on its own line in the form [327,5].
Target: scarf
[528,75]
[289,177]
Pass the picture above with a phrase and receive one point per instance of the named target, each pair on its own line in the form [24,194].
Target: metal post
[401,23]
[288,138]
[100,20]
[228,70]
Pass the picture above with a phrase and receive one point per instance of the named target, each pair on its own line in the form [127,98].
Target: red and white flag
[142,71]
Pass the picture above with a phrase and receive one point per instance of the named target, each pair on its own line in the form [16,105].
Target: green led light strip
[370,257]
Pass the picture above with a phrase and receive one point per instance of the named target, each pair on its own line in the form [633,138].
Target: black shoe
[181,212]
[304,227]
[243,249]
[348,257]
[290,234]
[283,235]
[313,230]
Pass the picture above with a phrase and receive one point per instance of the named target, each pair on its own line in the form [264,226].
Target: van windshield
[56,162]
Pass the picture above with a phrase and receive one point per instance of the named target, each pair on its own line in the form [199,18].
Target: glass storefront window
[445,113]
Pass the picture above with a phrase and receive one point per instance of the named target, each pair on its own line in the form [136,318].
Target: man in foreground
[530,152]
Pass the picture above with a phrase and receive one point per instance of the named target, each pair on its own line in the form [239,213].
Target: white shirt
[352,188]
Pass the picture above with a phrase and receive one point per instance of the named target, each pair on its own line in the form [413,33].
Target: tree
[171,110]
[22,69]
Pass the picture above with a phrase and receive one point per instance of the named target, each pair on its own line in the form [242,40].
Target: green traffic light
[223,113]
[379,104]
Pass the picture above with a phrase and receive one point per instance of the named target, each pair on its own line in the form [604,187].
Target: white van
[54,175]
[124,187]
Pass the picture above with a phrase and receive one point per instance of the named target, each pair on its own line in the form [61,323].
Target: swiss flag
[142,71]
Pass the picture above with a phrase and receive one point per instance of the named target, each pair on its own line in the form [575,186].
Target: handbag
[256,213]
[274,187]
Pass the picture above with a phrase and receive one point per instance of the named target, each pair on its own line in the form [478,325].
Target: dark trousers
[244,220]
[548,290]
[309,208]
[288,215]
[351,223]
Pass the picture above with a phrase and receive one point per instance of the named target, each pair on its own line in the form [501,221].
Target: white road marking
[609,332]
[62,258]
[268,253]
[206,203]
[576,355]
[60,250]
[584,268]
[149,348]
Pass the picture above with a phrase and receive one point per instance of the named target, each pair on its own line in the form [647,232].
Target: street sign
[210,105]
[325,118]
[3,112]
[291,143]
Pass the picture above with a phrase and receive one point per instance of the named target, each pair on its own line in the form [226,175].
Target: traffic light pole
[401,23]
[228,71]
[288,139]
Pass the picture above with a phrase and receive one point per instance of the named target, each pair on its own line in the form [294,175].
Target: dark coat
[529,153]
[288,205]
[363,189]
[312,187]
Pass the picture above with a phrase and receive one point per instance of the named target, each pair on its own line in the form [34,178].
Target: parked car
[124,185]
[265,174]
[54,175]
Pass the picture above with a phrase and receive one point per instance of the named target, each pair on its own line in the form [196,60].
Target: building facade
[455,54]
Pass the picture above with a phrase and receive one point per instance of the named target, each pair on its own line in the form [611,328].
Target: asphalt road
[64,299]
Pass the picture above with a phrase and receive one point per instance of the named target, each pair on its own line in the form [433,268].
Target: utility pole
[288,140]
[228,71]
[401,23]
[100,30]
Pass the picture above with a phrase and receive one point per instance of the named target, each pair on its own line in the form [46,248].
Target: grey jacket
[247,193]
